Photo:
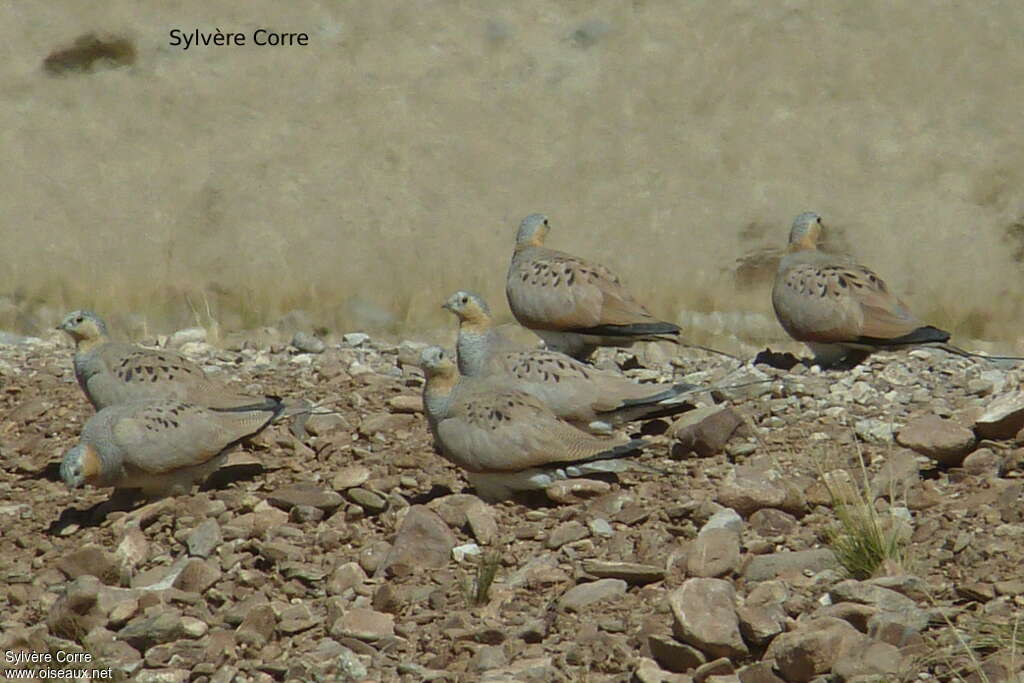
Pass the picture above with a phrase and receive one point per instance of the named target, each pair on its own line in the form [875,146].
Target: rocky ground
[345,549]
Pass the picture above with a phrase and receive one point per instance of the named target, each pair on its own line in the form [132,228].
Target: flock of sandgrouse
[512,418]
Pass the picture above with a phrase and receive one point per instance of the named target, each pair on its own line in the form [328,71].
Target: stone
[387,424]
[350,477]
[364,624]
[197,576]
[305,514]
[132,551]
[90,559]
[305,493]
[304,342]
[405,404]
[760,623]
[853,613]
[983,462]
[705,431]
[573,491]
[372,502]
[423,541]
[461,552]
[279,551]
[74,613]
[143,632]
[704,616]
[895,628]
[673,655]
[865,593]
[942,440]
[344,577]
[631,572]
[162,676]
[118,604]
[566,533]
[257,626]
[204,539]
[725,518]
[868,658]
[765,567]
[373,555]
[578,597]
[812,649]
[326,425]
[749,489]
[715,553]
[529,670]
[486,658]
[873,431]
[717,671]
[899,473]
[355,338]
[648,671]
[295,619]
[761,672]
[905,584]
[772,522]
[600,527]
[1002,418]
[481,520]
[194,628]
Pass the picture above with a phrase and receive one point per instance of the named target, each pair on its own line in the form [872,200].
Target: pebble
[350,477]
[942,440]
[630,572]
[579,597]
[305,342]
[704,616]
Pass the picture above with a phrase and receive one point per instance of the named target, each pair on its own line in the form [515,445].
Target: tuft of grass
[864,543]
[477,588]
[974,648]
[861,542]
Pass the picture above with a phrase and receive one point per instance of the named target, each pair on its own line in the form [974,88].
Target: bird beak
[446,306]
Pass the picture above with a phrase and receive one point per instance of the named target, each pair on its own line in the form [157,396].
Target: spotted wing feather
[830,303]
[556,291]
[495,431]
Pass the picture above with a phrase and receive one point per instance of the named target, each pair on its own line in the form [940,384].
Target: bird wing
[122,373]
[508,431]
[161,436]
[573,390]
[837,302]
[552,290]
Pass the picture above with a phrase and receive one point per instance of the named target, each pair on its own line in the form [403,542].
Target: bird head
[435,362]
[83,326]
[80,465]
[533,230]
[469,308]
[806,231]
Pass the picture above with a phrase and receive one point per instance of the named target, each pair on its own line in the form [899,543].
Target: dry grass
[365,177]
[477,588]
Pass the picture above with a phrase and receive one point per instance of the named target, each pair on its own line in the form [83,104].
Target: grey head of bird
[468,307]
[436,362]
[532,230]
[805,232]
[83,326]
[80,464]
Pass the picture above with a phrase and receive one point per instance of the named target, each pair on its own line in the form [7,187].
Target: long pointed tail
[956,350]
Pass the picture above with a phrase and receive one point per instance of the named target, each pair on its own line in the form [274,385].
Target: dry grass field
[365,176]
